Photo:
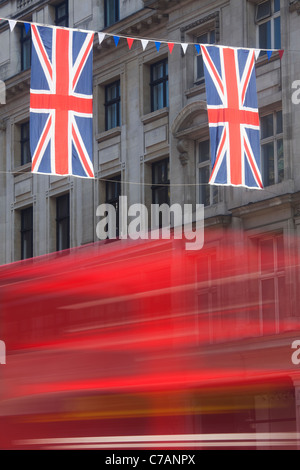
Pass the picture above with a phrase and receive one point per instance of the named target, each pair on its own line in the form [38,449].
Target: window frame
[62,21]
[163,80]
[161,185]
[199,80]
[213,190]
[272,139]
[109,104]
[26,233]
[25,42]
[25,141]
[63,220]
[115,8]
[270,18]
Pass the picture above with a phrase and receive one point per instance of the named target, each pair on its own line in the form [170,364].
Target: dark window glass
[111,12]
[63,222]
[113,193]
[159,85]
[62,14]
[25,144]
[27,233]
[161,182]
[25,49]
[112,105]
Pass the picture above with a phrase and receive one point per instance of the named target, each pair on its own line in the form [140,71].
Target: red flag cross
[61,99]
[234,114]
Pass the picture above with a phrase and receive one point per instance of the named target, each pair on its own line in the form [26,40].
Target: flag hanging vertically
[61,102]
[233,116]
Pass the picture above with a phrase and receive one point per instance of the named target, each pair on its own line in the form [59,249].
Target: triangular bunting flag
[269,54]
[257,53]
[171,47]
[130,42]
[101,37]
[27,27]
[116,39]
[144,43]
[12,24]
[157,44]
[184,47]
[197,46]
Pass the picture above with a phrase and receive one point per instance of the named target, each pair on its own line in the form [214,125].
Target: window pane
[112,105]
[263,10]
[276,5]
[279,122]
[63,222]
[280,160]
[204,189]
[158,71]
[27,233]
[158,97]
[200,67]
[25,144]
[159,86]
[265,35]
[212,37]
[277,33]
[268,164]
[111,12]
[204,153]
[267,129]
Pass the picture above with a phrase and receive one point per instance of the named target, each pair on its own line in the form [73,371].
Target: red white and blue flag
[233,116]
[61,102]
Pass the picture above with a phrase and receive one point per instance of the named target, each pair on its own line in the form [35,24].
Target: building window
[206,38]
[27,233]
[25,144]
[25,41]
[159,85]
[63,222]
[113,193]
[208,194]
[111,12]
[112,105]
[62,14]
[269,27]
[272,157]
[161,182]
[272,283]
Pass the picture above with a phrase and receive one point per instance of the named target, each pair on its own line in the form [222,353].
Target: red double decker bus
[144,345]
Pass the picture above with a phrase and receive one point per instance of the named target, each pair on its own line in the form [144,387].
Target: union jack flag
[61,102]
[233,116]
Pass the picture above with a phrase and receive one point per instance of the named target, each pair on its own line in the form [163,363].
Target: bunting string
[144,41]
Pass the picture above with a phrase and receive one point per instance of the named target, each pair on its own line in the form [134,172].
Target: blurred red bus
[144,345]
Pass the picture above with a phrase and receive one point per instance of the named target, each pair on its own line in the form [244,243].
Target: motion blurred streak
[121,336]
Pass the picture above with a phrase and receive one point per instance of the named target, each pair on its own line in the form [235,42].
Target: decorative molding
[295,6]
[213,17]
[183,147]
